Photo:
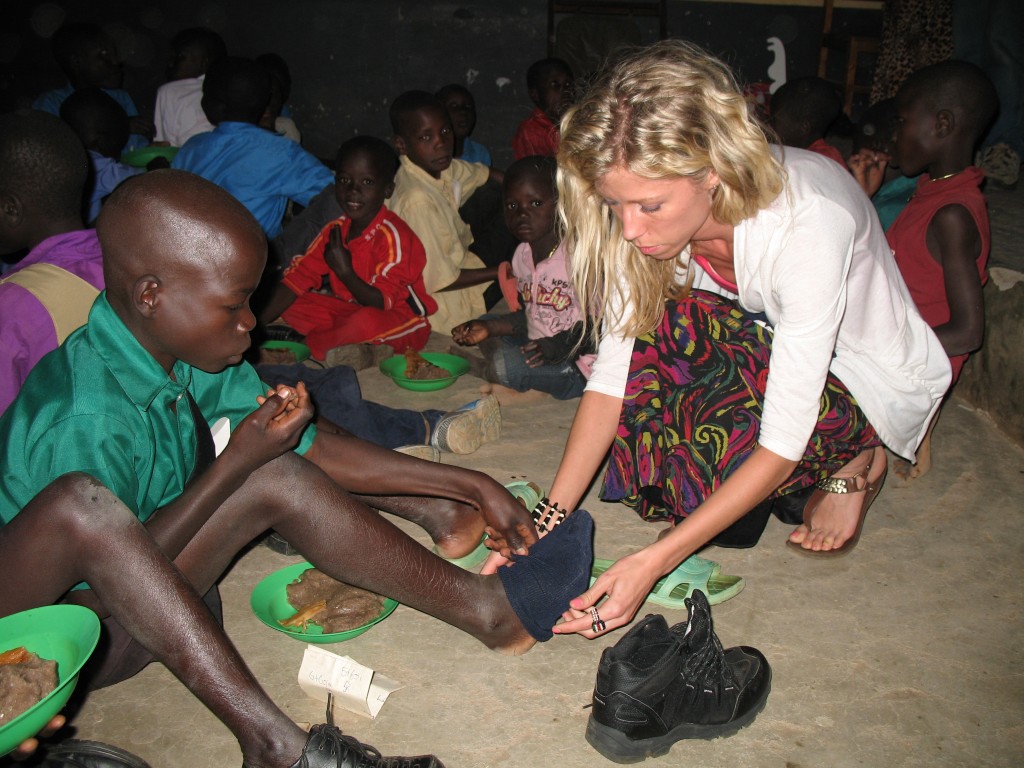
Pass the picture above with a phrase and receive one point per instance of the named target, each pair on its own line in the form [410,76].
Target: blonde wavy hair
[665,111]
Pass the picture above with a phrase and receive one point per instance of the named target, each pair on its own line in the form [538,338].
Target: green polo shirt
[101,404]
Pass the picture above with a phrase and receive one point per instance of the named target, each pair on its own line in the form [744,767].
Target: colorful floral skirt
[692,411]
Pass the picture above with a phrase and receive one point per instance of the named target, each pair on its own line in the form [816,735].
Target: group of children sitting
[108,433]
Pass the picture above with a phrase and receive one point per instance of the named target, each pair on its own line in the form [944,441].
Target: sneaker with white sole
[425,452]
[467,428]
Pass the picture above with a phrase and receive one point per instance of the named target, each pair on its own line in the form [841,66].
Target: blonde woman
[757,338]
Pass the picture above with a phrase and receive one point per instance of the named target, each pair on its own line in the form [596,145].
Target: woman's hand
[470,333]
[274,428]
[626,584]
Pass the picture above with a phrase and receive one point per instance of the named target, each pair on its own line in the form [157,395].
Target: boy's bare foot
[508,396]
[922,464]
[832,519]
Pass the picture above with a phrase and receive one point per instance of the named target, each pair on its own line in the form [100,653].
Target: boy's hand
[275,427]
[28,747]
[533,356]
[868,168]
[337,256]
[470,333]
[509,524]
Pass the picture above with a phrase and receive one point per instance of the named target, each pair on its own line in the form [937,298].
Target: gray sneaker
[467,428]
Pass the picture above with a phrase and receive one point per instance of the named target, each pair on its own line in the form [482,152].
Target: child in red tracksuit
[361,279]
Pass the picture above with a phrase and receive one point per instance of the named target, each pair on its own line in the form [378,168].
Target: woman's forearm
[593,430]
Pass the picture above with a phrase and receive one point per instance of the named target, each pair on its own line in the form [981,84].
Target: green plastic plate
[269,602]
[394,368]
[66,634]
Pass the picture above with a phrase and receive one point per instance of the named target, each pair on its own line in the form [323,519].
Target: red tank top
[921,272]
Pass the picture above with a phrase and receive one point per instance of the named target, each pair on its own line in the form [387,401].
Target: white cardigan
[817,264]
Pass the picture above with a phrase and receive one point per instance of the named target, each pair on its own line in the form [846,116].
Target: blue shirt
[50,101]
[261,169]
[107,174]
[475,152]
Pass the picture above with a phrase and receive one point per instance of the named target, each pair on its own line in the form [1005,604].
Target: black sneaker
[657,686]
[328,747]
[79,753]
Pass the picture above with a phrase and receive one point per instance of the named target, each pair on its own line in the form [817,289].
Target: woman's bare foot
[508,396]
[832,519]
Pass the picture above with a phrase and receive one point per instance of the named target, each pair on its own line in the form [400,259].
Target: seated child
[371,260]
[888,188]
[49,292]
[430,187]
[88,58]
[941,239]
[461,108]
[278,117]
[179,111]
[263,170]
[801,112]
[113,478]
[548,82]
[102,126]
[537,347]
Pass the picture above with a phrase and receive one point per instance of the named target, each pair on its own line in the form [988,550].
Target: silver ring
[597,624]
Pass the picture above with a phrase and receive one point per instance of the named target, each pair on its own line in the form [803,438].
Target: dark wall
[349,58]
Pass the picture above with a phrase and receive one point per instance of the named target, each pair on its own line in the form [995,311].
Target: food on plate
[332,605]
[25,680]
[417,367]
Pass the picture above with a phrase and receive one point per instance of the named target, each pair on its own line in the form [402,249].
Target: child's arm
[266,433]
[282,298]
[954,241]
[339,259]
[469,277]
[473,332]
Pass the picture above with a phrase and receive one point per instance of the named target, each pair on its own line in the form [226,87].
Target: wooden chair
[852,46]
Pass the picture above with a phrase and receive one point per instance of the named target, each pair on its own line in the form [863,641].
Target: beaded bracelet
[546,511]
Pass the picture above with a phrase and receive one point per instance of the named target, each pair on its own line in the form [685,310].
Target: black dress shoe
[328,747]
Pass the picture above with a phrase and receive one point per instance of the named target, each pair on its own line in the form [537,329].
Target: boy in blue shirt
[113,477]
[261,169]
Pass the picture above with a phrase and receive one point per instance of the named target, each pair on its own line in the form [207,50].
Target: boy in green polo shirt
[112,476]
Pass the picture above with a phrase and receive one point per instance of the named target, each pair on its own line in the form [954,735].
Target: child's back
[179,113]
[261,169]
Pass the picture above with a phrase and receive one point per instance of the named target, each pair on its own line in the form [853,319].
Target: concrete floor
[905,653]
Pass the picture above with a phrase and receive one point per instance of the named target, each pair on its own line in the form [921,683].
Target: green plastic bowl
[301,351]
[143,156]
[66,634]
[394,368]
[269,602]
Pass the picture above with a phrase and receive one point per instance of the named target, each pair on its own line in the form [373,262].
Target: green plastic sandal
[691,574]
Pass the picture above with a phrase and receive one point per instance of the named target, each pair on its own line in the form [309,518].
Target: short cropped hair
[958,86]
[382,155]
[206,40]
[73,40]
[810,100]
[541,167]
[43,162]
[539,71]
[447,90]
[670,110]
[240,86]
[403,107]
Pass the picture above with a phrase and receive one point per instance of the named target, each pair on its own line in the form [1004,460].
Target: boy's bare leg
[76,530]
[922,461]
[455,528]
[348,541]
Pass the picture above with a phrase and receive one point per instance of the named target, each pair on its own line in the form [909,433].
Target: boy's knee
[82,501]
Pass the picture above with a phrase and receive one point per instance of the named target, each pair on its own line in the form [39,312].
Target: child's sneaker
[466,429]
[328,747]
[425,452]
[1001,166]
[657,686]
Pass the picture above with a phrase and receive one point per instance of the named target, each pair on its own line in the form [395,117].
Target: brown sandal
[843,485]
